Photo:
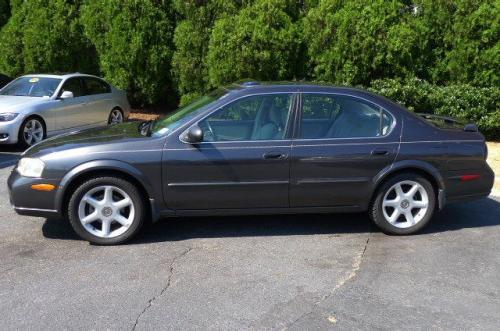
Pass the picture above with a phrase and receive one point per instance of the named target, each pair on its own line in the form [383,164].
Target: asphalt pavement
[302,272]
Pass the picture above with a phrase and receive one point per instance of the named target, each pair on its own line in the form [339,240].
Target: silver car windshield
[32,87]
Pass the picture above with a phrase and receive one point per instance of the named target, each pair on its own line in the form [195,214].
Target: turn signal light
[43,187]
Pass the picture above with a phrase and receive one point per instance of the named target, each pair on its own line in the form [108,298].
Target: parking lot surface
[275,272]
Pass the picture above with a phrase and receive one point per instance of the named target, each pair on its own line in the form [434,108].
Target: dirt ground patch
[140,116]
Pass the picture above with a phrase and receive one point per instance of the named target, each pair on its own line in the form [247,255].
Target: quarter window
[259,117]
[333,116]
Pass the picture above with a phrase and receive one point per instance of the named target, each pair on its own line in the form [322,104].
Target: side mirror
[193,135]
[66,95]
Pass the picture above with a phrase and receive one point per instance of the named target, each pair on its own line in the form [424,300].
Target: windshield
[32,87]
[170,122]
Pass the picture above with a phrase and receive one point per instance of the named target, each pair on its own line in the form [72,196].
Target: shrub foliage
[434,55]
[133,40]
[261,41]
[480,105]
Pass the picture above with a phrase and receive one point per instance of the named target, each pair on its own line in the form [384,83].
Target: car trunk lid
[448,123]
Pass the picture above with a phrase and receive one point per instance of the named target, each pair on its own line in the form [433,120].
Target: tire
[32,131]
[395,196]
[101,201]
[115,117]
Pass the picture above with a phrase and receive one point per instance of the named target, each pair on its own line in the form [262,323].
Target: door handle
[274,156]
[380,152]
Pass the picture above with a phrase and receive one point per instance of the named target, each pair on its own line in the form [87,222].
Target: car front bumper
[27,201]
[9,131]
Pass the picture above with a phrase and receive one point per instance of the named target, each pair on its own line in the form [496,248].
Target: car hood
[10,103]
[102,139]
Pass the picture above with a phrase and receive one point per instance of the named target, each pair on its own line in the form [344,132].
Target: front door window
[258,117]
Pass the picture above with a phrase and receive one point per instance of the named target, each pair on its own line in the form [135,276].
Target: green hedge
[161,51]
[480,105]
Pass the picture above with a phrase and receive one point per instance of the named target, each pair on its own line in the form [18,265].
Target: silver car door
[99,100]
[70,112]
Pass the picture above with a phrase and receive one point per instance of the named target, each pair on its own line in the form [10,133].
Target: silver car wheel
[33,132]
[116,117]
[106,211]
[405,204]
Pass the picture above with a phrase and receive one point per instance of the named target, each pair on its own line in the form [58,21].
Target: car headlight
[6,117]
[29,167]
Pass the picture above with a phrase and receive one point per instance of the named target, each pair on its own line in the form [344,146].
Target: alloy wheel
[33,132]
[116,117]
[405,204]
[106,211]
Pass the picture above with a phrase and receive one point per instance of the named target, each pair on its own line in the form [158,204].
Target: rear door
[99,98]
[243,162]
[342,143]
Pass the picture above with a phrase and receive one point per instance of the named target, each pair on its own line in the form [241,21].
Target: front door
[243,162]
[342,144]
[70,113]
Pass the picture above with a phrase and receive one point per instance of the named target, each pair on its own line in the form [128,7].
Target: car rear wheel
[404,204]
[106,210]
[32,131]
[115,117]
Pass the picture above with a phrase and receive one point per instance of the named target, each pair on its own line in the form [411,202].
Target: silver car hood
[10,103]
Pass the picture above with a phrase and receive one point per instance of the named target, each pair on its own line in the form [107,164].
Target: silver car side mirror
[66,95]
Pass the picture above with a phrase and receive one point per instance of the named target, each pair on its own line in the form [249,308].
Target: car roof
[61,76]
[251,87]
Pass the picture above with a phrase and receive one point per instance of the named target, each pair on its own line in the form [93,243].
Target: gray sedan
[34,107]
[257,149]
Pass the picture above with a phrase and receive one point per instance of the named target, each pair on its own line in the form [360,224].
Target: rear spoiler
[448,122]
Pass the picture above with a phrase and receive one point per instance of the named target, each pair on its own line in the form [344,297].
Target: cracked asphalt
[302,272]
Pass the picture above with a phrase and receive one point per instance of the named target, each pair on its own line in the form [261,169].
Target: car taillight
[466,178]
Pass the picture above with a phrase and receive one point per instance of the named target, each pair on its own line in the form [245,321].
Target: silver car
[34,107]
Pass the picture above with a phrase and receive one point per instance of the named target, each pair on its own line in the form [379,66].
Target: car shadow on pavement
[178,229]
[477,214]
[9,155]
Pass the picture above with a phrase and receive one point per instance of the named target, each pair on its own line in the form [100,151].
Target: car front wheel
[31,132]
[404,204]
[106,210]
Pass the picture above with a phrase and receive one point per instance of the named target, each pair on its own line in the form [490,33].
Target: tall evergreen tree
[44,36]
[191,38]
[473,43]
[133,40]
[260,42]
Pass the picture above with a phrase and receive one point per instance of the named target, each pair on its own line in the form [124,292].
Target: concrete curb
[495,193]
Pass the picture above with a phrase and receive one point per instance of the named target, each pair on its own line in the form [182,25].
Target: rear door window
[326,116]
[96,86]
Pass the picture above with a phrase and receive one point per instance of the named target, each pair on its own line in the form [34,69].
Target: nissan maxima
[38,106]
[256,149]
